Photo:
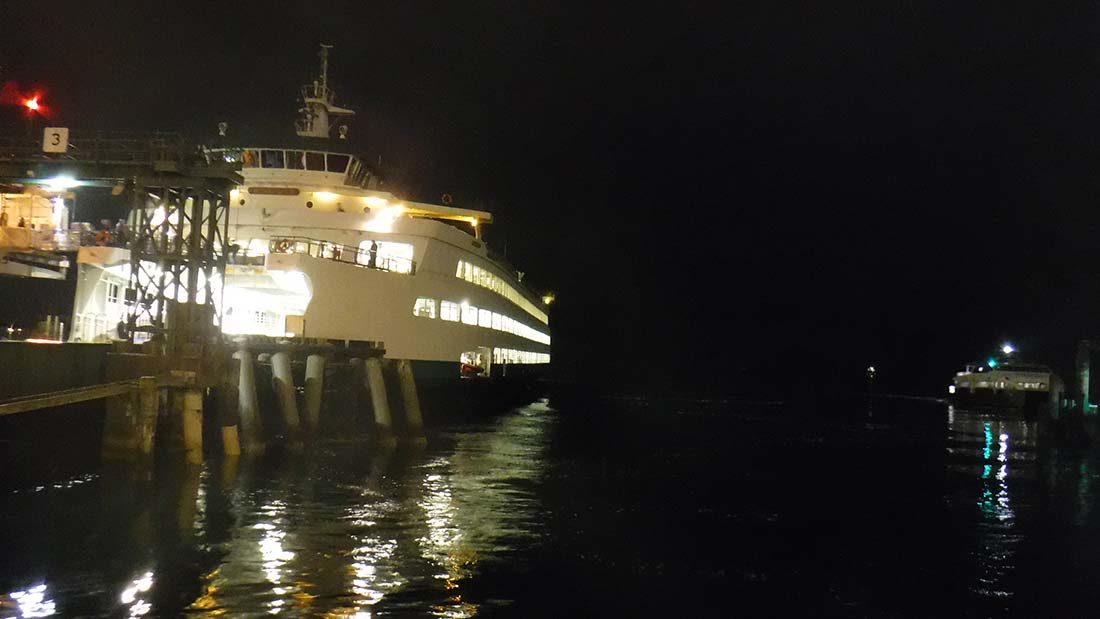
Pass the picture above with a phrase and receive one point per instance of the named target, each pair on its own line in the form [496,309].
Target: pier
[175,382]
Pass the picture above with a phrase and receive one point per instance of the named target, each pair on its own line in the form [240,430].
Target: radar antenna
[320,112]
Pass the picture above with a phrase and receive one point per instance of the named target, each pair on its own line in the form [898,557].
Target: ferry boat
[318,250]
[1005,381]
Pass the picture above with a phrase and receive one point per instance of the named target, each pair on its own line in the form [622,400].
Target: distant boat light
[1008,349]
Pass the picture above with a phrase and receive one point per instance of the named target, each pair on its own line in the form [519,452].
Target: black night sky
[714,191]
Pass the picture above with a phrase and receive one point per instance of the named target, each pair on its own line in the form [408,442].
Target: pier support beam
[283,380]
[248,405]
[413,418]
[314,386]
[192,424]
[376,383]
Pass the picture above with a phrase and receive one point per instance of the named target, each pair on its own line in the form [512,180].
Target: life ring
[446,199]
[283,246]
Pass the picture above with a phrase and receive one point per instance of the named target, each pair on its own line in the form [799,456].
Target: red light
[32,104]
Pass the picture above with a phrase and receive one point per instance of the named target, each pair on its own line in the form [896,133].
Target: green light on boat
[991,362]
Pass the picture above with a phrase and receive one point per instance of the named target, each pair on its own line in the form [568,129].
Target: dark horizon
[712,192]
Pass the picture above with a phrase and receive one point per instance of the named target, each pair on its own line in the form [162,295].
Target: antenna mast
[324,65]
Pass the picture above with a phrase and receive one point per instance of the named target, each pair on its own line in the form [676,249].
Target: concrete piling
[314,390]
[413,418]
[251,428]
[376,383]
[192,424]
[283,380]
[149,398]
[130,426]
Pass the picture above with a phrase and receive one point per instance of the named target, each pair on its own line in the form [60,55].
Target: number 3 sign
[55,140]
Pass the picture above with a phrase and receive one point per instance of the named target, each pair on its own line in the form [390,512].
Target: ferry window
[296,159]
[496,321]
[230,155]
[272,158]
[449,310]
[469,315]
[337,163]
[112,292]
[424,308]
[315,161]
[485,319]
[250,158]
[395,257]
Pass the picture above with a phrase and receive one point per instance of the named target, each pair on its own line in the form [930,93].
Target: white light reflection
[33,602]
[272,554]
[373,570]
[129,596]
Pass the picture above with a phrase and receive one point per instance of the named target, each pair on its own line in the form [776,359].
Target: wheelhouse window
[112,292]
[250,158]
[338,163]
[296,159]
[315,161]
[272,158]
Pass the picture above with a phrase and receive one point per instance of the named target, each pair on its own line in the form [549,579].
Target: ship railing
[340,253]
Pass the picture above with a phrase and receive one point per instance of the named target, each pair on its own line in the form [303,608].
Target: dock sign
[55,140]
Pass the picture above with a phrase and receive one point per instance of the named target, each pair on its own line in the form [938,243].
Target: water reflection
[339,531]
[132,595]
[997,451]
[31,602]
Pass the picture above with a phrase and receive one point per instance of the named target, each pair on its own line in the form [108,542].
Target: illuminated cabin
[318,251]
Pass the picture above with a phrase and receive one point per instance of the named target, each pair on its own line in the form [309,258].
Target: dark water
[607,507]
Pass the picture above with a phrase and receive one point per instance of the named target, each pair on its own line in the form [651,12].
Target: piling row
[239,419]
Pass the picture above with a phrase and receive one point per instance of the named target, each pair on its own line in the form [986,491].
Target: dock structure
[174,359]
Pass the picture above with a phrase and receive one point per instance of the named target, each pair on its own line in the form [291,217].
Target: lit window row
[477,317]
[507,355]
[486,279]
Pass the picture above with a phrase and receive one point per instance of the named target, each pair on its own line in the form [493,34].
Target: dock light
[60,183]
[1008,349]
[382,221]
[951,389]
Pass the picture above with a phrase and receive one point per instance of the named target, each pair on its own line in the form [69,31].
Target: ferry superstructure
[318,251]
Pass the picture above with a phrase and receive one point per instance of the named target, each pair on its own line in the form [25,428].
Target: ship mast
[320,112]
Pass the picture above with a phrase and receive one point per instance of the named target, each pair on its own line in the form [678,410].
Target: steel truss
[177,259]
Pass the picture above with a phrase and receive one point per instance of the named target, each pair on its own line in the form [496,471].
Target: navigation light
[1008,349]
[992,362]
[32,104]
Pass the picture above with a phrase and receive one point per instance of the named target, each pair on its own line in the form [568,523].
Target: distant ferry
[1005,382]
[317,250]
